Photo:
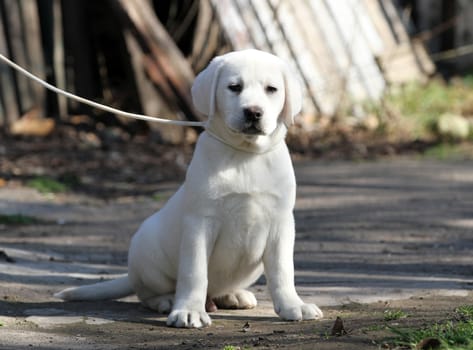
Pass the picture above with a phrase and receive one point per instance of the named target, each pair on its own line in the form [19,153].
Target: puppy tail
[113,289]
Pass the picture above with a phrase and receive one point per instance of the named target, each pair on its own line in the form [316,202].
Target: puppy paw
[188,319]
[300,312]
[240,299]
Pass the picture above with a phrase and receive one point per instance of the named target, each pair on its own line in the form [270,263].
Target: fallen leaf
[338,328]
[429,344]
[32,124]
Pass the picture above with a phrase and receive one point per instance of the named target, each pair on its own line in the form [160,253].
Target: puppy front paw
[188,319]
[300,312]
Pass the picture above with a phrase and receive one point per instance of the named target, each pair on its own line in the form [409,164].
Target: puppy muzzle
[252,120]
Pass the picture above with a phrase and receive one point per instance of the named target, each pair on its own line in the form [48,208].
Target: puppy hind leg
[210,305]
[239,299]
[160,303]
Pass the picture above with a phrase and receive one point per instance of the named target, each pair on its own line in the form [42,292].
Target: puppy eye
[271,89]
[235,87]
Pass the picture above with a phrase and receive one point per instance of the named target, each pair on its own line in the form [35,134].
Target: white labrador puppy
[232,218]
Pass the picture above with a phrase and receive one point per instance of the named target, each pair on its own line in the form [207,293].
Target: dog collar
[247,149]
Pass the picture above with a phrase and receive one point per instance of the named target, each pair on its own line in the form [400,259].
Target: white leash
[95,104]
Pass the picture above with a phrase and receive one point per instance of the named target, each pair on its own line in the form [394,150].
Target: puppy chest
[245,224]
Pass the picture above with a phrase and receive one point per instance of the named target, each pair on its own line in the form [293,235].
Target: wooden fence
[141,55]
[116,52]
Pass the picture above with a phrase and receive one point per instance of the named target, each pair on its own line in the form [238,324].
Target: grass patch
[420,105]
[445,151]
[45,184]
[465,312]
[409,119]
[17,219]
[449,335]
[160,197]
[392,315]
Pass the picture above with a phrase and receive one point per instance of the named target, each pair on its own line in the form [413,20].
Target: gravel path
[369,233]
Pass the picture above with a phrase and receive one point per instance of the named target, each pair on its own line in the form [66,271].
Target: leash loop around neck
[242,148]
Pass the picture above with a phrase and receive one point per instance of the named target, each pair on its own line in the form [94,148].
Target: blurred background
[382,78]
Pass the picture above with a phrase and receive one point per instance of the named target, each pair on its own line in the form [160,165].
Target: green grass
[465,311]
[446,151]
[45,184]
[17,219]
[420,105]
[452,335]
[392,315]
[159,197]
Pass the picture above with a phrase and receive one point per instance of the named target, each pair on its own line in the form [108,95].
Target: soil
[371,237]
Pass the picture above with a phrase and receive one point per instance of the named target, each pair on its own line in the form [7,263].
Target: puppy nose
[253,113]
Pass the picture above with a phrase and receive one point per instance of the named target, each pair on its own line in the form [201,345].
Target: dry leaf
[429,344]
[32,124]
[338,329]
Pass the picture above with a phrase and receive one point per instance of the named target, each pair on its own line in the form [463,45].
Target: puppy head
[250,91]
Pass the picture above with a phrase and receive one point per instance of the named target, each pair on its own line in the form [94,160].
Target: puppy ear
[293,96]
[205,86]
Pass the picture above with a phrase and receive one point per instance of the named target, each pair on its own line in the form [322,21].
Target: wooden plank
[366,80]
[151,100]
[396,24]
[34,51]
[81,69]
[367,26]
[206,37]
[232,24]
[7,89]
[16,38]
[338,85]
[298,55]
[322,70]
[375,13]
[269,26]
[165,58]
[426,65]
[252,24]
[58,57]
[401,66]
[401,60]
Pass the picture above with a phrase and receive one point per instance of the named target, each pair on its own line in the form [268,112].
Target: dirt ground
[371,237]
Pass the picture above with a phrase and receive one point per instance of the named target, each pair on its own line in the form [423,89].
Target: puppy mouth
[252,129]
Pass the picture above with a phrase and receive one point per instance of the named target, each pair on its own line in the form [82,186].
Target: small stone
[453,126]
